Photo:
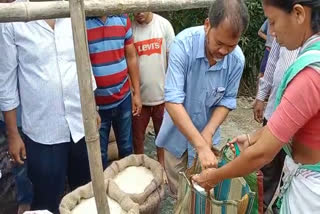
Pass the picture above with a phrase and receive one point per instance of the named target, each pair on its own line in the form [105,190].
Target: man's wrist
[210,130]
[136,92]
[261,96]
[202,145]
[12,130]
[13,135]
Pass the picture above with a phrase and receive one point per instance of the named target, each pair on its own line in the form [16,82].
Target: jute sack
[71,200]
[113,153]
[232,196]
[149,200]
[254,180]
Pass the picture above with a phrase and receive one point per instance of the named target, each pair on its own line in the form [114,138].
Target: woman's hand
[207,179]
[241,140]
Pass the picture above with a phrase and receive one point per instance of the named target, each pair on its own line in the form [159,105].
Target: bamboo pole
[27,11]
[88,105]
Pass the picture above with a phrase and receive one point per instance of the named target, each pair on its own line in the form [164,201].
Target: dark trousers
[272,175]
[23,184]
[48,167]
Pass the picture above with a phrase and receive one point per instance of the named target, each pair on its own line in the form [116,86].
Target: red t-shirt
[298,114]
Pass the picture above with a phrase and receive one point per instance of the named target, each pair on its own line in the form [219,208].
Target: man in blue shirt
[204,72]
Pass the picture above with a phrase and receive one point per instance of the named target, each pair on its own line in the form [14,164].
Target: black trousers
[50,165]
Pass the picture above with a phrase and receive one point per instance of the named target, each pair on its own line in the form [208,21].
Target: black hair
[235,11]
[287,6]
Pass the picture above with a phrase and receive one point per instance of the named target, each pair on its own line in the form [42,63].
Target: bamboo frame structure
[78,9]
[27,11]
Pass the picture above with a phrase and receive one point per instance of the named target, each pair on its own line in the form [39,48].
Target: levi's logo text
[149,47]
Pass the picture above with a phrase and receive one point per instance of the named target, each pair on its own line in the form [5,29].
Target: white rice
[134,179]
[88,206]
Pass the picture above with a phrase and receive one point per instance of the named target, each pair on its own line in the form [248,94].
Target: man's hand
[206,157]
[17,150]
[136,105]
[258,109]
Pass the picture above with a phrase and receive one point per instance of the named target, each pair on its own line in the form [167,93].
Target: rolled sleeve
[264,89]
[229,99]
[229,102]
[9,96]
[176,74]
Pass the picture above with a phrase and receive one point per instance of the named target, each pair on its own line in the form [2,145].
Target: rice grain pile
[88,206]
[133,179]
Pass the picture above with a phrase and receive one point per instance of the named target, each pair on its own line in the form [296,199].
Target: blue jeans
[121,119]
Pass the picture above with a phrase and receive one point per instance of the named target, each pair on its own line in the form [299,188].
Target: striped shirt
[107,43]
[279,61]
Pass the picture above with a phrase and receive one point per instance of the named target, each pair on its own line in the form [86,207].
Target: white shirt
[43,60]
[152,42]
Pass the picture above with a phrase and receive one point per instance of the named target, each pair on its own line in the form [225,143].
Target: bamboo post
[88,105]
[27,11]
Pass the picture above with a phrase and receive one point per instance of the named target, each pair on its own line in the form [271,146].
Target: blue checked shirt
[200,88]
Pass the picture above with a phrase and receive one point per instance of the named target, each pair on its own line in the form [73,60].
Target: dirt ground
[238,122]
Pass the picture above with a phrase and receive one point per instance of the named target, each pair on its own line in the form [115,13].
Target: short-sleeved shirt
[265,29]
[107,43]
[152,42]
[200,88]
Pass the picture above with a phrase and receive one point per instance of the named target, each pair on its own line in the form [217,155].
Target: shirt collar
[219,65]
[201,49]
[44,25]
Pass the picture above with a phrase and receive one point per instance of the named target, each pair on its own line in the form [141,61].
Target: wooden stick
[27,11]
[88,105]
